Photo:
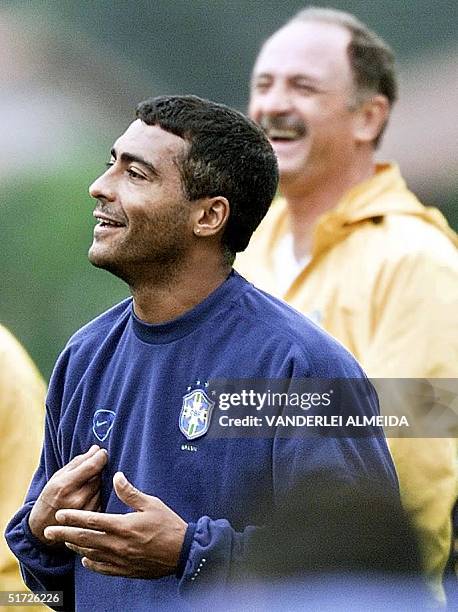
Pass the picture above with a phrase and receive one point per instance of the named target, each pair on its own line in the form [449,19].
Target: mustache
[110,212]
[283,122]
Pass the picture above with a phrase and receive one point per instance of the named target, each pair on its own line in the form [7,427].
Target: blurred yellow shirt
[22,403]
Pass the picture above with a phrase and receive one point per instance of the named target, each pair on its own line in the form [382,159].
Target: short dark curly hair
[371,58]
[228,155]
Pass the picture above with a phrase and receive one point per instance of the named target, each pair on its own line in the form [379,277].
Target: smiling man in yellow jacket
[349,245]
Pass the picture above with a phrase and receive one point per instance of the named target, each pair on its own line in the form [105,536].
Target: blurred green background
[70,76]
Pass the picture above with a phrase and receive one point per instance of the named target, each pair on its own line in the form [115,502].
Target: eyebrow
[293,76]
[130,157]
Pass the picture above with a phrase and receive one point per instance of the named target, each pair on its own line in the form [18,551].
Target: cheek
[327,121]
[313,109]
[255,107]
[136,203]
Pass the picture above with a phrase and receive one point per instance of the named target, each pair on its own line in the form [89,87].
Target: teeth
[283,134]
[107,222]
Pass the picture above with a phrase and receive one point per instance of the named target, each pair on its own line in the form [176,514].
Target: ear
[210,216]
[370,118]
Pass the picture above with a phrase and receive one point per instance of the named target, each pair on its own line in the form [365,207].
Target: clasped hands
[145,543]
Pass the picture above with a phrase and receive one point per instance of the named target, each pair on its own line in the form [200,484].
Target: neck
[308,198]
[158,299]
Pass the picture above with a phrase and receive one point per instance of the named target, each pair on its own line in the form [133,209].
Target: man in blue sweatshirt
[130,484]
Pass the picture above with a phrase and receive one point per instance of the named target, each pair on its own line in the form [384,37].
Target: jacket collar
[385,193]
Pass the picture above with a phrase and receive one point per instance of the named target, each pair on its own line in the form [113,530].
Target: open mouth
[283,129]
[283,135]
[103,221]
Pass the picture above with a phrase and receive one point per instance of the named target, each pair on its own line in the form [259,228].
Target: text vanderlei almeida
[304,401]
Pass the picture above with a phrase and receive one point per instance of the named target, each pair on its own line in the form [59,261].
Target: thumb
[127,493]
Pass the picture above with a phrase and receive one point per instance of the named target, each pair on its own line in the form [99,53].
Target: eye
[261,86]
[305,88]
[135,175]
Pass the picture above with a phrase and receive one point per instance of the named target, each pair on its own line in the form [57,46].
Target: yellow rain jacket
[22,409]
[383,279]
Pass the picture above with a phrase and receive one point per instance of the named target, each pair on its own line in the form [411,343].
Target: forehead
[311,48]
[150,142]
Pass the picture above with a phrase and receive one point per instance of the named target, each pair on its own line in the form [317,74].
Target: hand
[76,485]
[141,544]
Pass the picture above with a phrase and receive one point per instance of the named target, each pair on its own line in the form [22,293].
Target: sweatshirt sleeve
[212,556]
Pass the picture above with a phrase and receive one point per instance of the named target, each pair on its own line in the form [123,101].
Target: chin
[290,176]
[289,165]
[98,258]
[107,261]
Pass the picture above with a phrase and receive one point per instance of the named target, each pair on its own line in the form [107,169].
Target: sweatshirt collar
[193,319]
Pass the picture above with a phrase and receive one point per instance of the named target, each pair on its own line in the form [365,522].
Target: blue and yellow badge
[195,414]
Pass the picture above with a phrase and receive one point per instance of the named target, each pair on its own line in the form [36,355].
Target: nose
[102,188]
[272,100]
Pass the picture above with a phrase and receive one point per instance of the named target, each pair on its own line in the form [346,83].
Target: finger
[76,497]
[89,490]
[98,521]
[76,461]
[107,569]
[91,466]
[85,538]
[93,504]
[95,478]
[128,494]
[93,554]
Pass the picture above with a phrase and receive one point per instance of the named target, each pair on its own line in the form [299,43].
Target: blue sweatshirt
[122,384]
